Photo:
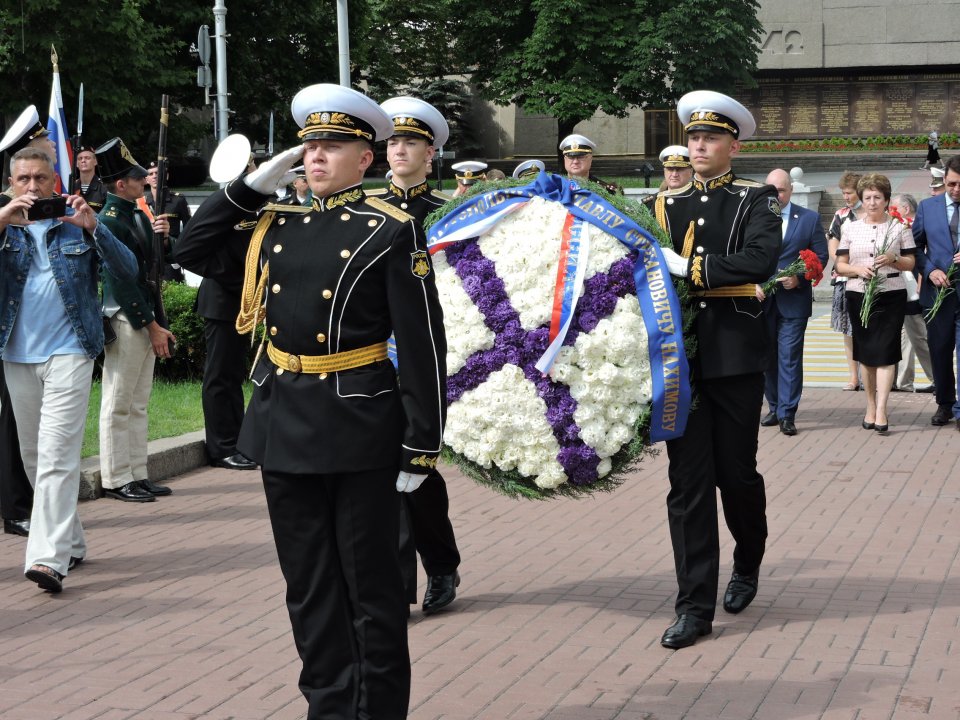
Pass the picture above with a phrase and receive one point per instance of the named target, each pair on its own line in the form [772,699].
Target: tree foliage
[572,58]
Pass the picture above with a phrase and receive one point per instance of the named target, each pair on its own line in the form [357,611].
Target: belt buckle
[294,364]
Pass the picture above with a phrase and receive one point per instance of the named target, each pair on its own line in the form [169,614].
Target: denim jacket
[75,257]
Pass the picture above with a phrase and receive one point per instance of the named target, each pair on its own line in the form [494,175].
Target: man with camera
[140,339]
[50,333]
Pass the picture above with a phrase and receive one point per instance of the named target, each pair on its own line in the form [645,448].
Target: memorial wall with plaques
[854,105]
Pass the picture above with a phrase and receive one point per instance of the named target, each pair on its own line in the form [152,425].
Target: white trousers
[49,402]
[913,340]
[127,381]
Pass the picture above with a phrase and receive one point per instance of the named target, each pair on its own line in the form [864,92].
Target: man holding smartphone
[50,333]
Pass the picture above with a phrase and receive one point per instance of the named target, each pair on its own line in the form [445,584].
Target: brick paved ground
[178,613]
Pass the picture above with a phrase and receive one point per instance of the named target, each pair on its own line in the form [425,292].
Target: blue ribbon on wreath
[659,305]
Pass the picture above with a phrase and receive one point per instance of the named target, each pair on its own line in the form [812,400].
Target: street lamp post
[343,42]
[220,34]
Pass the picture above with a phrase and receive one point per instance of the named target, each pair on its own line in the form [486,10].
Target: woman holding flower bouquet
[873,251]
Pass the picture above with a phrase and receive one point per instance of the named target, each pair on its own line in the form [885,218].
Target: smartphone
[47,208]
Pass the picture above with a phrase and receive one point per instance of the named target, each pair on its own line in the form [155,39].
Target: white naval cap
[529,168]
[576,145]
[936,177]
[675,156]
[712,111]
[25,128]
[469,171]
[388,175]
[413,117]
[334,112]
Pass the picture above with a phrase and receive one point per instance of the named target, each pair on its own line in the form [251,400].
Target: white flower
[465,330]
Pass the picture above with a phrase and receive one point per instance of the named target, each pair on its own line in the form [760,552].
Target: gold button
[276,288]
[321,337]
[403,206]
[306,220]
[277,248]
[273,330]
[294,363]
[279,371]
[372,223]
[344,254]
[345,216]
[281,221]
[327,294]
[322,376]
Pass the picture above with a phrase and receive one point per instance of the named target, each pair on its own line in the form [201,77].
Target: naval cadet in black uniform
[335,432]
[727,231]
[578,160]
[418,130]
[88,182]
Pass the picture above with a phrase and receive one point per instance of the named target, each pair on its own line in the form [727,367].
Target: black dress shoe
[17,527]
[741,590]
[685,631]
[234,462]
[131,492]
[943,415]
[787,427]
[441,590]
[926,389]
[769,420]
[74,562]
[151,487]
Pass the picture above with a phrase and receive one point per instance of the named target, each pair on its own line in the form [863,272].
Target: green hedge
[948,141]
[187,364]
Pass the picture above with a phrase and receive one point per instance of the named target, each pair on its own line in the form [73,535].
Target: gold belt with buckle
[336,362]
[745,290]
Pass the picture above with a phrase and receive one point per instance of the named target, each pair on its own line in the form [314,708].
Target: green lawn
[174,410]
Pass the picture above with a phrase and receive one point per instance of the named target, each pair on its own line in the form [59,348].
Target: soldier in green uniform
[130,306]
[335,432]
[727,232]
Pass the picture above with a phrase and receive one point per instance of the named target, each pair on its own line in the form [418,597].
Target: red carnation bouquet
[808,265]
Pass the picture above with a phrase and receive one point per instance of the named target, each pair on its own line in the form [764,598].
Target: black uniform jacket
[96,194]
[175,208]
[732,232]
[419,200]
[343,275]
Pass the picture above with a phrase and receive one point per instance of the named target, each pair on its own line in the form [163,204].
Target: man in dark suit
[728,233]
[335,432]
[789,308]
[938,246]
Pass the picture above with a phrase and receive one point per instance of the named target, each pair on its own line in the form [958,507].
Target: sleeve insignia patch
[424,461]
[774,205]
[419,264]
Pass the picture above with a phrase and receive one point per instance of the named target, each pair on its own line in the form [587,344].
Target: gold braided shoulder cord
[252,308]
[660,212]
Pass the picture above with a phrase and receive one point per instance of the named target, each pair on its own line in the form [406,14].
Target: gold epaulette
[376,192]
[385,207]
[441,195]
[743,182]
[281,207]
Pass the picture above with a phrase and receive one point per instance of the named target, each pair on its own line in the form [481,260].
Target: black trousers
[425,527]
[222,390]
[718,450]
[16,494]
[336,538]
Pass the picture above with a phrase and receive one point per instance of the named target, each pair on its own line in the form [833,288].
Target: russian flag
[57,127]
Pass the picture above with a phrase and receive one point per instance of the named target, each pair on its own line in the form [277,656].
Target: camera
[47,208]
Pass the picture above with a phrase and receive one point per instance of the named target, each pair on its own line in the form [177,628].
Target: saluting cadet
[529,169]
[578,159]
[727,231]
[335,433]
[418,130]
[468,172]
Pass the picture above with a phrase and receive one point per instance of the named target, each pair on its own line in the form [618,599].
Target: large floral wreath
[564,349]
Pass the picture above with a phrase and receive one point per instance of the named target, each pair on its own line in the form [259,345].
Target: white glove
[408,482]
[275,173]
[676,264]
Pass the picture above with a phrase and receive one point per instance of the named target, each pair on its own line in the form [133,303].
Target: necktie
[955,224]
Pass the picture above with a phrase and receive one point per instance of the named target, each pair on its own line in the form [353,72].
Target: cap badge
[324,118]
[125,154]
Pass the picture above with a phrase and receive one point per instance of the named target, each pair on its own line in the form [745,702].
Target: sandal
[46,577]
[851,386]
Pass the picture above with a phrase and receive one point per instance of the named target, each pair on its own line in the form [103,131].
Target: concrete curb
[166,458]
